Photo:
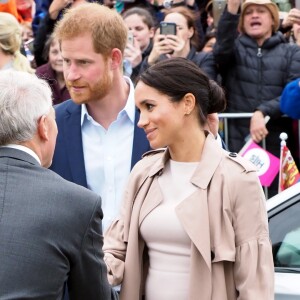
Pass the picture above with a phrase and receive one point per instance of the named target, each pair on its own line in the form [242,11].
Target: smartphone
[167,28]
[130,38]
[29,44]
[218,8]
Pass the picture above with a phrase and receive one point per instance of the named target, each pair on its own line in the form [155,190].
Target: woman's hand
[161,45]
[56,6]
[133,53]
[176,44]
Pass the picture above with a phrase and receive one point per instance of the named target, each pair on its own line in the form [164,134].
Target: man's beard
[90,93]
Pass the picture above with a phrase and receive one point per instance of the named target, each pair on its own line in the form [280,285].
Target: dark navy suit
[68,160]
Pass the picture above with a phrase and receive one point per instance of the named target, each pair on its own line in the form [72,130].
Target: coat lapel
[73,144]
[193,215]
[193,211]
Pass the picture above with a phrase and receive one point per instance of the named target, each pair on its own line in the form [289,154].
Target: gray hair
[24,98]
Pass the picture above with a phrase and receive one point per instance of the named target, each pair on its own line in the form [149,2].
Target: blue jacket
[290,99]
[68,160]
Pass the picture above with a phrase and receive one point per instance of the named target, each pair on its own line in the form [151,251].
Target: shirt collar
[24,149]
[129,108]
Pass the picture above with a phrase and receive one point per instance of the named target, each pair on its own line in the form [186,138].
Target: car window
[285,236]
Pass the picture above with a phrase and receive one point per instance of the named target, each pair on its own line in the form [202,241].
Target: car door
[284,226]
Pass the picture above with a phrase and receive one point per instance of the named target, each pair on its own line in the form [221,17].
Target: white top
[169,247]
[107,156]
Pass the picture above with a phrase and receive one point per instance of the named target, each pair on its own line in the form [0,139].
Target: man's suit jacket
[68,160]
[50,233]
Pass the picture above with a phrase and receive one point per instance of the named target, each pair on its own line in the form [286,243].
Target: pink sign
[267,164]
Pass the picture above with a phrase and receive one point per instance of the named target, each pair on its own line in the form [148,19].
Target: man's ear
[116,58]
[42,128]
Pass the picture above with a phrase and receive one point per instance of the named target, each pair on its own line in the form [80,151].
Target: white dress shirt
[107,156]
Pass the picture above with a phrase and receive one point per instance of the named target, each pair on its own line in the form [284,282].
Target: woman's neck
[189,147]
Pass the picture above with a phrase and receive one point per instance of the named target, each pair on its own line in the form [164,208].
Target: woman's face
[55,58]
[141,32]
[183,31]
[161,119]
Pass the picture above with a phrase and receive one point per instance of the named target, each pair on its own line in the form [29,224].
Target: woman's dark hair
[143,13]
[175,77]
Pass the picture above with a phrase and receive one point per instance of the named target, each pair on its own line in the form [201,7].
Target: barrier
[224,128]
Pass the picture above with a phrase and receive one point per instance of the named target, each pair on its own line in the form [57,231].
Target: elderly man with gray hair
[50,229]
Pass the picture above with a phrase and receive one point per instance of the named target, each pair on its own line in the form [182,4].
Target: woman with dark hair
[185,43]
[193,223]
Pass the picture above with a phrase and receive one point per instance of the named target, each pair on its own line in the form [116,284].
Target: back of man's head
[24,98]
[106,27]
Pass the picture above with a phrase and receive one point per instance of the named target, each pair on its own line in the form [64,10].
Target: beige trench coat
[226,220]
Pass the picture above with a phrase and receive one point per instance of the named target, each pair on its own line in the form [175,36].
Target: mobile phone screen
[167,28]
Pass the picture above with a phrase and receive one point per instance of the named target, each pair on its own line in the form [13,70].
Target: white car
[284,225]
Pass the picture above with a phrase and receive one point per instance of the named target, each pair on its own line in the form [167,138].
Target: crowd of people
[124,189]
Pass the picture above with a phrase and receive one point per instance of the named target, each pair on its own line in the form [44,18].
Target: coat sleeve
[224,49]
[208,65]
[88,274]
[115,247]
[116,237]
[253,267]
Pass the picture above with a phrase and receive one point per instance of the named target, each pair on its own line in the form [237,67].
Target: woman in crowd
[194,222]
[184,44]
[52,71]
[140,24]
[10,44]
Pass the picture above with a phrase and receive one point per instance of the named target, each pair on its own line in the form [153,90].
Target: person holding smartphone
[140,24]
[181,41]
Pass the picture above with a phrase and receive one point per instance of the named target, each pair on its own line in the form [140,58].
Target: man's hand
[258,128]
[292,17]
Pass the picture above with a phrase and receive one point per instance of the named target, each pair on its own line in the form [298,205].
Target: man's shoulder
[68,188]
[66,107]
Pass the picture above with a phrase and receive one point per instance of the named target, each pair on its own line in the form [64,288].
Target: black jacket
[254,78]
